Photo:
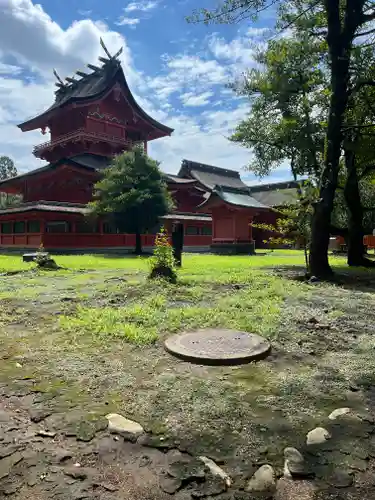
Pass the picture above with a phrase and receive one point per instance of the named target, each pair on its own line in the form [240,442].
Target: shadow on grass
[354,279]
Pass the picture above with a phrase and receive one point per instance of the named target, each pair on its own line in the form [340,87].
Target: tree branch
[366,18]
[364,33]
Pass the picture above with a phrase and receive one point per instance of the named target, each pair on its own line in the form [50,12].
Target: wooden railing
[83,134]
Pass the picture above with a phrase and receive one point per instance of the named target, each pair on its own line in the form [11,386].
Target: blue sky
[177,71]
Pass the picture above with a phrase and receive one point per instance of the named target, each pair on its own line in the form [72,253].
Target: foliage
[343,28]
[294,224]
[162,264]
[7,168]
[288,104]
[132,193]
[43,259]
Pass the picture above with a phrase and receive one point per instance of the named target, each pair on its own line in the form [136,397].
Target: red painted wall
[78,240]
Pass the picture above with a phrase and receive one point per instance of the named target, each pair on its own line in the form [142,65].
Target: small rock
[264,480]
[318,435]
[18,365]
[216,470]
[38,414]
[339,413]
[341,479]
[295,465]
[170,484]
[76,472]
[47,434]
[130,430]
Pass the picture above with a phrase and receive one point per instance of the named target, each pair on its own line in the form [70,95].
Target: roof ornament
[110,57]
[59,83]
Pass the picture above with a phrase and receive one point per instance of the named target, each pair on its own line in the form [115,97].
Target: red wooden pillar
[145,146]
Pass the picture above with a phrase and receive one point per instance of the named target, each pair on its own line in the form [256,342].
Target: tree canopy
[7,168]
[343,28]
[132,194]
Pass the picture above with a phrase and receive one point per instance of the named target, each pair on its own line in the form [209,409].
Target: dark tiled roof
[276,194]
[210,176]
[92,87]
[240,197]
[86,160]
[47,206]
[90,160]
[178,180]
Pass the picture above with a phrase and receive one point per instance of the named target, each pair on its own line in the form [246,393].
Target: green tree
[7,168]
[288,102]
[340,23]
[294,224]
[132,193]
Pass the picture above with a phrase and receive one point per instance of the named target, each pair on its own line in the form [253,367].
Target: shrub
[162,264]
[44,260]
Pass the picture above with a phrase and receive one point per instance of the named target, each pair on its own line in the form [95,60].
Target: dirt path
[41,464]
[47,455]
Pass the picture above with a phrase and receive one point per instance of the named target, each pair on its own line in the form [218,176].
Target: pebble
[318,435]
[295,465]
[264,480]
[339,413]
[128,429]
[47,434]
[216,470]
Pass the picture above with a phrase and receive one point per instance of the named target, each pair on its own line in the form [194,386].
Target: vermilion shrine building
[92,119]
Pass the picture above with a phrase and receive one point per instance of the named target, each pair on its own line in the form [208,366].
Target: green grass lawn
[91,337]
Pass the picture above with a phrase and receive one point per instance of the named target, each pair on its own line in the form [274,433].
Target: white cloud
[34,39]
[128,21]
[192,99]
[142,6]
[85,13]
[9,69]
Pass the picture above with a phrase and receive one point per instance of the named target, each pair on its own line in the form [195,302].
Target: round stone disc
[217,347]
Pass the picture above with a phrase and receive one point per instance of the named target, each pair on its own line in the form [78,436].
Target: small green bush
[162,264]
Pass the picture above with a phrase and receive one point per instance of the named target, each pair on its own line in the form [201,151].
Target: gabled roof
[210,176]
[276,194]
[240,197]
[89,88]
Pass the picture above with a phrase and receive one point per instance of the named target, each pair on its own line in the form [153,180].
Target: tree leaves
[132,193]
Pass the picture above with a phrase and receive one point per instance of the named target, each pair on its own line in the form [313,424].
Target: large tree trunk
[356,248]
[355,223]
[339,42]
[138,243]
